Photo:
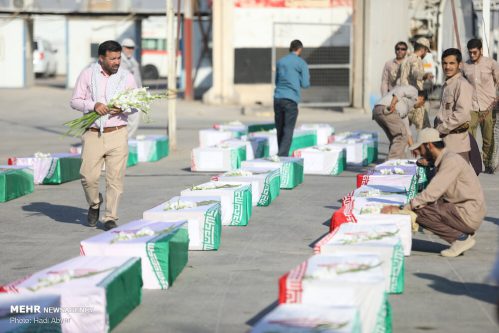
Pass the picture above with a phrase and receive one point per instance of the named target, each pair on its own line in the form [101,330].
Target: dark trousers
[285,114]
[443,219]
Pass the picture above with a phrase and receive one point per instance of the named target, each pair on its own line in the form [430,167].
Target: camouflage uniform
[390,77]
[412,72]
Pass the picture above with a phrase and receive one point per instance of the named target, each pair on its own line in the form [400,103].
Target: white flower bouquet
[179,204]
[239,173]
[127,100]
[372,209]
[124,235]
[41,155]
[214,187]
[273,158]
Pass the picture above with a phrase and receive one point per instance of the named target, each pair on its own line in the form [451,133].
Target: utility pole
[486,27]
[171,90]
[188,95]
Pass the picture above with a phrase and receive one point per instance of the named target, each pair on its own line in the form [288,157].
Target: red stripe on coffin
[362,179]
[290,285]
[343,215]
[324,240]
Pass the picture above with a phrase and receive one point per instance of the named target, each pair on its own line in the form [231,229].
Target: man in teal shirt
[291,75]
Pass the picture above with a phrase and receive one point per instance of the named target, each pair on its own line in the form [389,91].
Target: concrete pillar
[28,53]
[358,65]
[222,90]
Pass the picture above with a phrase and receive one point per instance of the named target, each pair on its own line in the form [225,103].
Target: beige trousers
[395,130]
[111,148]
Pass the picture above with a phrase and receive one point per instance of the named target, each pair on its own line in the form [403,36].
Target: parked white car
[44,58]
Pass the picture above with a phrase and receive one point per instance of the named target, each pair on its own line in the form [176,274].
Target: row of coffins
[20,173]
[344,287]
[225,146]
[95,291]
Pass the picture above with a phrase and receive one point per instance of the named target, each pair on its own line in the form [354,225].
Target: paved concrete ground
[227,290]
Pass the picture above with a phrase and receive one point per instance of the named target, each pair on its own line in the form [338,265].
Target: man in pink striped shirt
[106,141]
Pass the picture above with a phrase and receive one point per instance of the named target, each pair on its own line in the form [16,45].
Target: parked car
[44,58]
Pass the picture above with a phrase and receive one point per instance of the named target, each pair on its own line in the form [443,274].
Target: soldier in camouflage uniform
[412,73]
[391,71]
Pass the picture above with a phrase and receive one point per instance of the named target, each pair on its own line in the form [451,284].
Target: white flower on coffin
[179,204]
[371,209]
[140,137]
[386,172]
[274,158]
[42,155]
[365,236]
[124,235]
[325,270]
[398,171]
[223,146]
[213,187]
[322,148]
[239,173]
[57,277]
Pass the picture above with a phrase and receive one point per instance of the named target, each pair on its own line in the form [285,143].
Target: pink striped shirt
[82,95]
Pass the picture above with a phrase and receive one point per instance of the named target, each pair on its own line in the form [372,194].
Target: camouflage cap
[423,41]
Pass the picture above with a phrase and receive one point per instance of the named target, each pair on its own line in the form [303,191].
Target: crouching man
[452,206]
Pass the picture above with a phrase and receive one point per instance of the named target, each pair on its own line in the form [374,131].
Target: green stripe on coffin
[341,164]
[123,294]
[105,288]
[242,207]
[203,215]
[15,182]
[65,170]
[265,183]
[238,155]
[291,169]
[152,148]
[50,169]
[162,246]
[302,139]
[133,156]
[235,198]
[260,127]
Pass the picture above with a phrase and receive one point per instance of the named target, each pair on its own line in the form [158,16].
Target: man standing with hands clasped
[291,75]
[453,117]
[483,74]
[106,140]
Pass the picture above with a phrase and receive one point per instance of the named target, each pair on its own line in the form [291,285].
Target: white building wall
[82,32]
[383,29]
[253,27]
[12,49]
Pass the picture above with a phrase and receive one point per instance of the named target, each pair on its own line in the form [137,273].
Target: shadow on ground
[59,213]
[480,291]
[494,220]
[421,245]
[256,318]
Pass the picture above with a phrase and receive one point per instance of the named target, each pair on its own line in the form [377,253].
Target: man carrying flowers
[106,140]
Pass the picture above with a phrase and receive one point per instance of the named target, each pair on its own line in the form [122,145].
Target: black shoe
[93,214]
[110,225]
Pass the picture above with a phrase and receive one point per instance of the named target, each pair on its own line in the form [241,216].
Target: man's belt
[461,129]
[106,129]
